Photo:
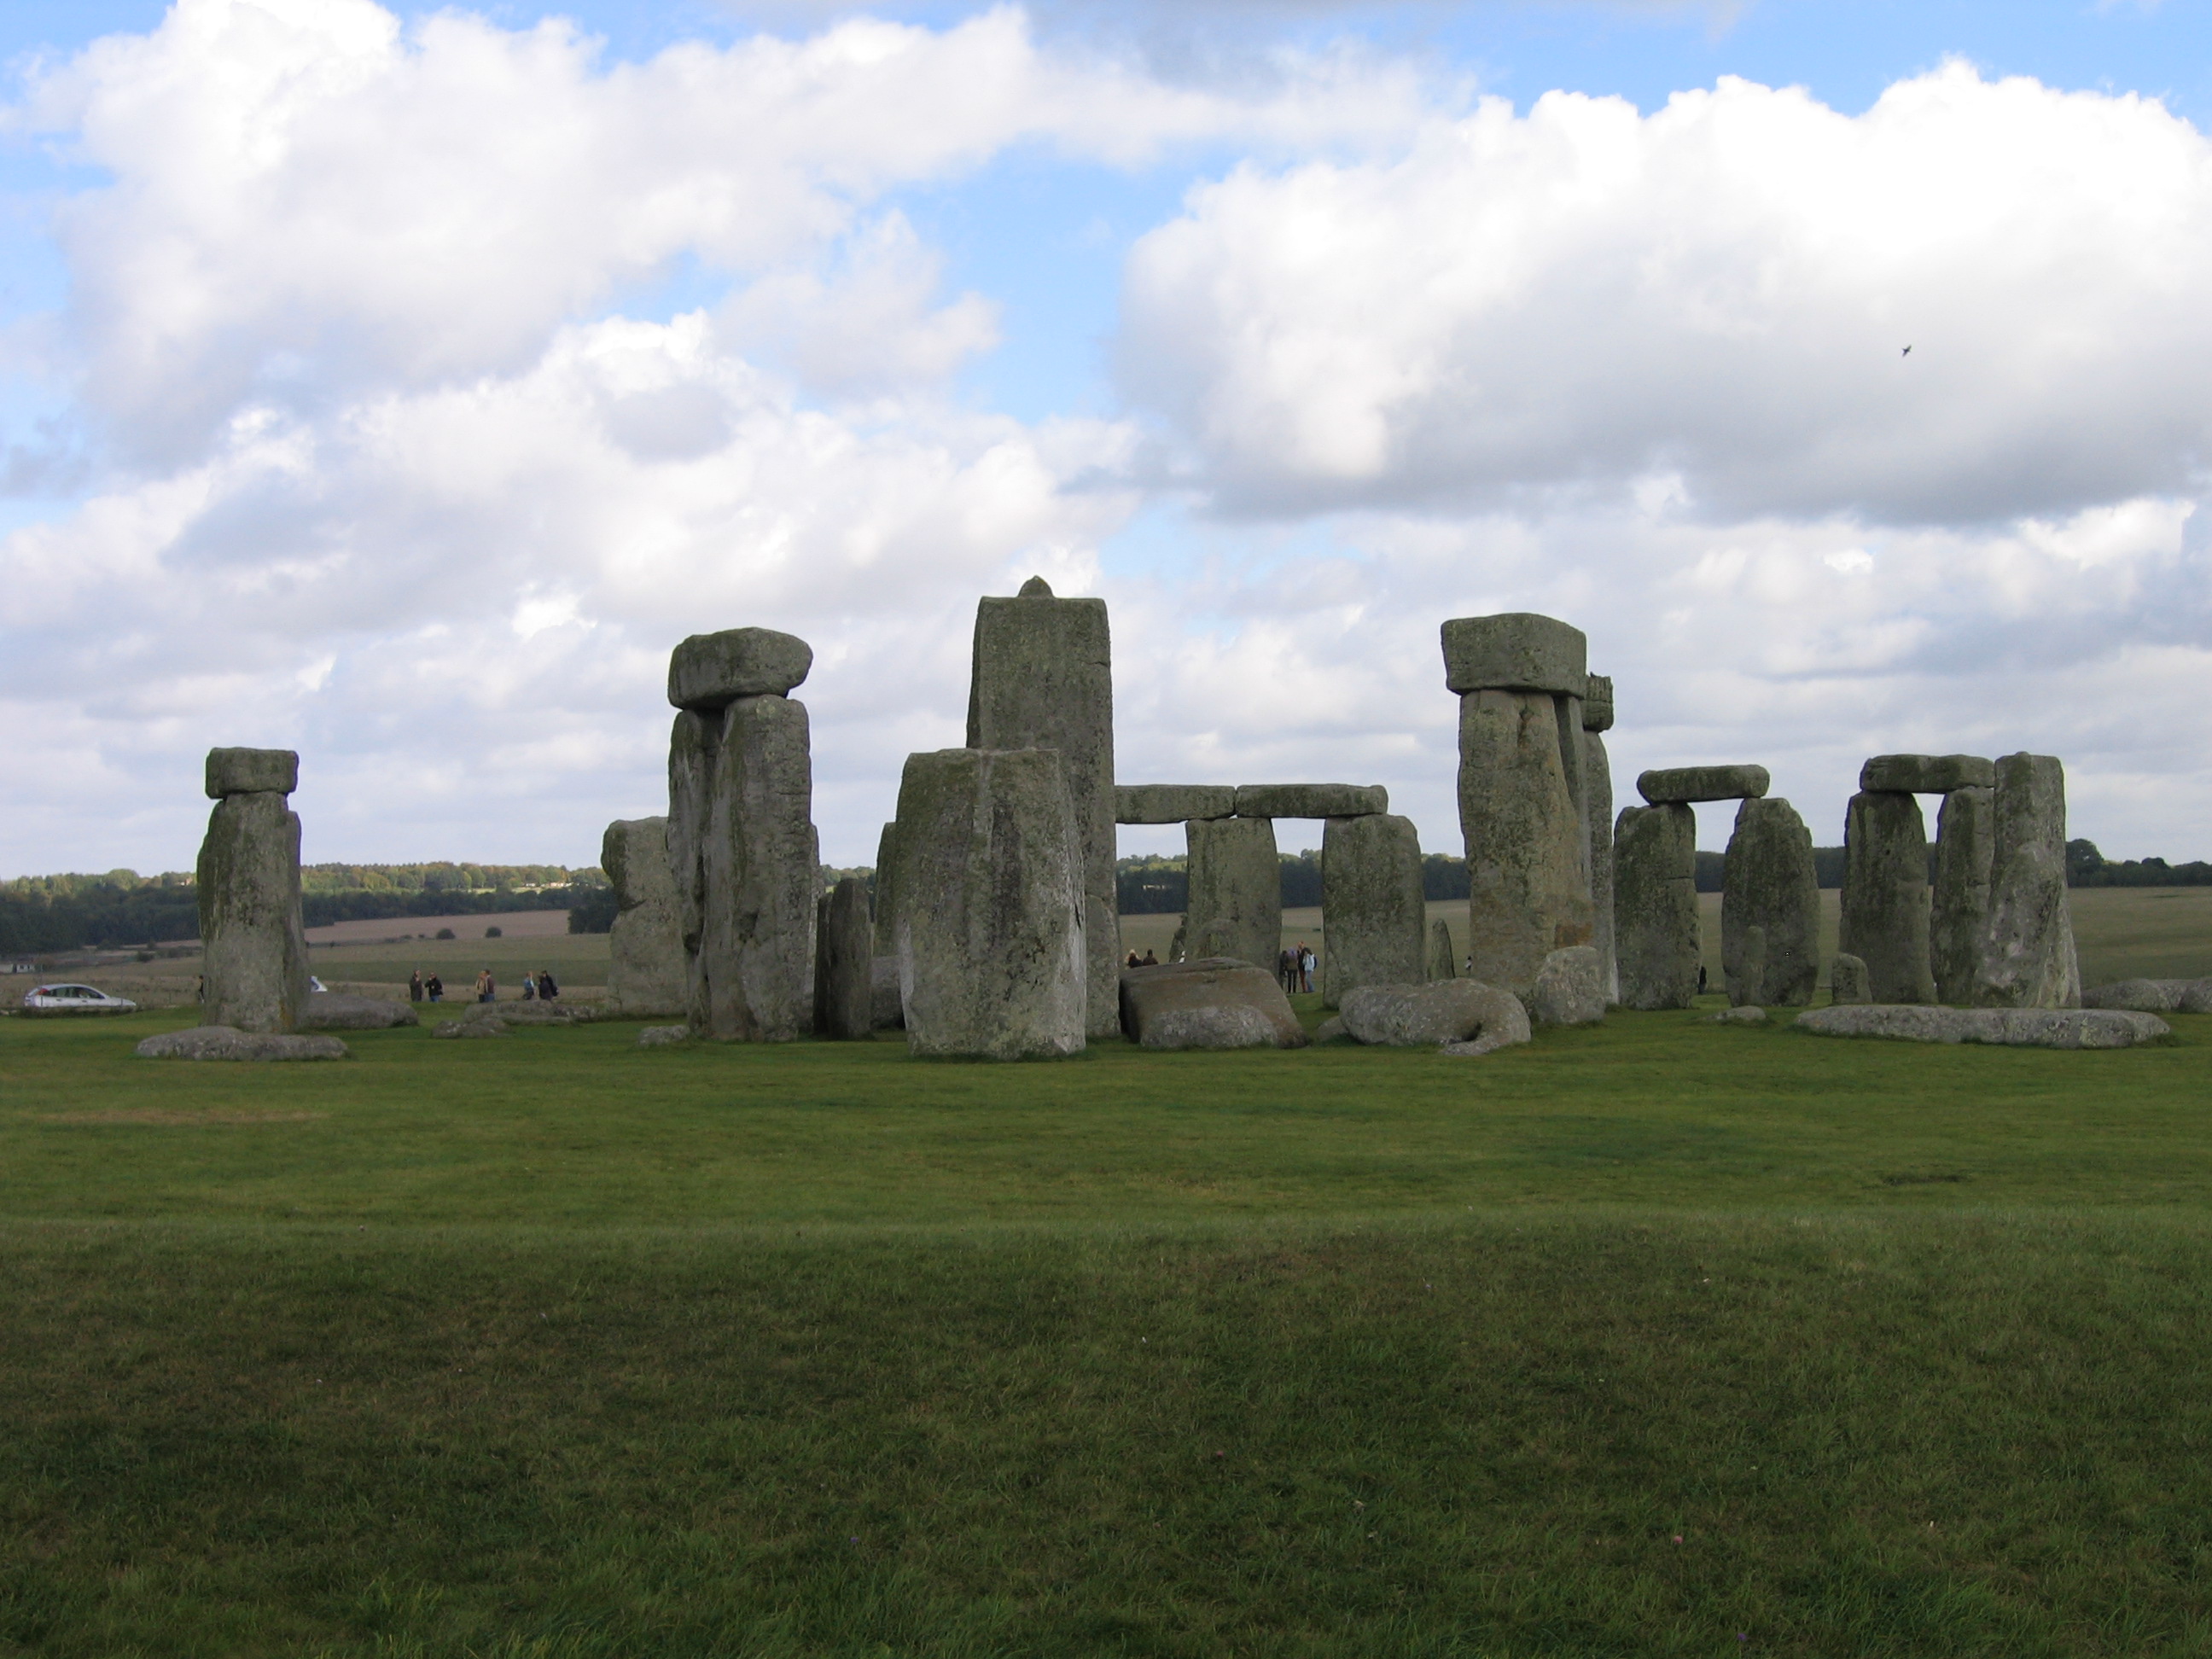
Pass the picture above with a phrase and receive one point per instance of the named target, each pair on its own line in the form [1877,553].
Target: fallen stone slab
[474,1026]
[1448,1012]
[2011,1028]
[2153,996]
[1216,1002]
[1515,651]
[1570,988]
[1927,775]
[1311,800]
[1684,786]
[709,671]
[336,1011]
[252,772]
[228,1042]
[663,1036]
[538,1013]
[1745,1015]
[1173,803]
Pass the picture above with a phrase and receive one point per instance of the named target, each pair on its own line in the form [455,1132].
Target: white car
[74,1000]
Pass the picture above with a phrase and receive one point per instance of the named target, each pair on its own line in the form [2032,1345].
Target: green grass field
[1661,1338]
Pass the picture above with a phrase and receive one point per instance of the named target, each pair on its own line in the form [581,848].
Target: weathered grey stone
[991,950]
[708,672]
[693,743]
[1515,651]
[1885,898]
[1212,1004]
[2197,999]
[1374,913]
[535,1014]
[1959,904]
[1235,890]
[663,1036]
[1043,678]
[1770,888]
[1926,774]
[1445,1011]
[646,977]
[335,1010]
[885,1011]
[1521,812]
[254,954]
[1745,1014]
[1597,816]
[2012,1028]
[1311,800]
[886,898]
[1676,786]
[2148,996]
[252,772]
[1173,803]
[1443,960]
[1847,981]
[1597,703]
[1175,950]
[1331,1030]
[844,956]
[473,1026]
[1655,906]
[1570,990]
[228,1042]
[2028,959]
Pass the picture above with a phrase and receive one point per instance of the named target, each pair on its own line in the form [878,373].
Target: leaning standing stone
[844,958]
[1655,871]
[646,973]
[1959,908]
[254,953]
[1885,900]
[1373,912]
[1235,903]
[1771,886]
[991,950]
[2028,959]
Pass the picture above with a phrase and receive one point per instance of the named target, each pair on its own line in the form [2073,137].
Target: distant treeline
[2087,867]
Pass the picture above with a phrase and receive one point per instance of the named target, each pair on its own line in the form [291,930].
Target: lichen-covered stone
[2011,1028]
[1847,981]
[1959,903]
[1515,651]
[1235,886]
[1374,912]
[1173,803]
[886,1011]
[252,772]
[646,977]
[1680,786]
[1770,886]
[1455,1010]
[1745,1014]
[844,958]
[2151,996]
[1521,814]
[1043,678]
[1926,774]
[991,950]
[1569,989]
[664,1036]
[473,1025]
[1311,800]
[2028,959]
[1885,897]
[254,953]
[708,672]
[1655,906]
[1597,816]
[335,1010]
[1443,960]
[886,898]
[228,1042]
[1214,1004]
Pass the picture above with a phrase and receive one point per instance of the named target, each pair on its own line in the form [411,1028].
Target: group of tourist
[540,987]
[1147,960]
[420,989]
[1295,968]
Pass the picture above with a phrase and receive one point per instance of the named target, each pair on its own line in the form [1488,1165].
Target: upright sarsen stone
[1234,907]
[1522,818]
[1654,892]
[991,950]
[1597,813]
[844,961]
[1443,960]
[1770,908]
[646,974]
[2028,958]
[1374,910]
[1043,678]
[1959,908]
[1885,899]
[886,906]
[254,954]
[752,977]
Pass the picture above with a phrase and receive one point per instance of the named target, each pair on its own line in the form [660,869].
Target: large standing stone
[1311,800]
[1885,899]
[693,742]
[1770,887]
[991,949]
[254,953]
[1173,803]
[1597,814]
[1959,908]
[1235,903]
[844,960]
[646,974]
[1373,915]
[1654,901]
[1679,785]
[1043,678]
[886,900]
[2028,959]
[1525,837]
[1443,960]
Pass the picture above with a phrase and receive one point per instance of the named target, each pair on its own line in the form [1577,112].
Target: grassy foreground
[551,1345]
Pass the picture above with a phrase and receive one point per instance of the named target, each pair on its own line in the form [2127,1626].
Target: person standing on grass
[415,985]
[486,986]
[529,986]
[1287,969]
[1307,962]
[547,990]
[434,989]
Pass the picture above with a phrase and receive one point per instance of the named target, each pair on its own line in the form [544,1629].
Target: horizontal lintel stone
[1680,786]
[1311,800]
[1517,650]
[711,671]
[1173,803]
[1597,704]
[1926,774]
[252,772]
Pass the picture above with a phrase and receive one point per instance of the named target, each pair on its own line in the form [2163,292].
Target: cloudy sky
[399,384]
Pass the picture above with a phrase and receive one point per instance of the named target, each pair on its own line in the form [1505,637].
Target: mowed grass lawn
[1661,1338]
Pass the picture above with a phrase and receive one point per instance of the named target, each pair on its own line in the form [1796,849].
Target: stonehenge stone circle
[991,949]
[1959,905]
[1376,912]
[1172,803]
[1209,1004]
[1311,800]
[254,953]
[1443,960]
[1043,678]
[1597,813]
[646,977]
[1885,898]
[1570,991]
[2012,1028]
[2028,957]
[1655,895]
[1847,981]
[1926,774]
[844,962]
[1770,889]
[711,670]
[1234,878]
[1683,785]
[1445,1011]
